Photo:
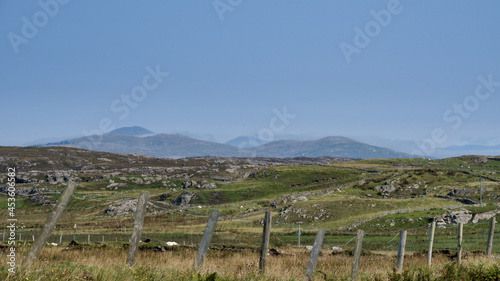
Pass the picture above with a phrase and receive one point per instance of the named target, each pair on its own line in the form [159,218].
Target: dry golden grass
[109,264]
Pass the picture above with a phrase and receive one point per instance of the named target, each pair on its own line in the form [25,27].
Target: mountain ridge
[181,146]
[131,131]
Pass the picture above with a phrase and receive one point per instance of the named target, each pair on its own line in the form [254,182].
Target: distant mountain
[473,149]
[328,146]
[131,131]
[161,145]
[180,146]
[246,142]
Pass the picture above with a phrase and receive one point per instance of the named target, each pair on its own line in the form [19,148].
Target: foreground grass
[108,264]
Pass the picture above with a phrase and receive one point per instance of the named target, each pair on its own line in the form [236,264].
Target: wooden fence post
[265,242]
[431,242]
[489,245]
[401,251]
[138,222]
[357,254]
[314,254]
[205,240]
[49,225]
[459,250]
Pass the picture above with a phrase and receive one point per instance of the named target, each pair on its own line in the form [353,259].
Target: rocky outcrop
[126,207]
[42,200]
[387,188]
[164,197]
[208,186]
[59,177]
[462,192]
[184,198]
[485,216]
[461,200]
[188,184]
[454,217]
[287,199]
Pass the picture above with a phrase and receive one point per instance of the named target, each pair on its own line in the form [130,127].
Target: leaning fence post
[491,233]
[431,242]
[49,225]
[314,254]
[357,254]
[401,251]
[138,222]
[205,240]
[60,239]
[265,242]
[459,250]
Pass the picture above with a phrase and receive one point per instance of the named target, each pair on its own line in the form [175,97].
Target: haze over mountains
[129,140]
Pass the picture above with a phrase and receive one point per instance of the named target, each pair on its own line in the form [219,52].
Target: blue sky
[230,70]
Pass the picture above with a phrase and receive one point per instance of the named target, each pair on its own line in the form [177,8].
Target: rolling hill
[132,140]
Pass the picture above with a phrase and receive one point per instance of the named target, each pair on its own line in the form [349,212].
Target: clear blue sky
[229,70]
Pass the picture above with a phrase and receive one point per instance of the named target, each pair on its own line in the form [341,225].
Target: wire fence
[187,229]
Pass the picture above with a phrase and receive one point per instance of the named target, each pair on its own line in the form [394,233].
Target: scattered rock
[454,217]
[126,207]
[41,200]
[208,186]
[164,197]
[485,216]
[300,198]
[462,192]
[185,198]
[387,188]
[461,200]
[188,184]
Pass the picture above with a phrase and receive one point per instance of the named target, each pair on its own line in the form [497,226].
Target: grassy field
[379,196]
[106,262]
